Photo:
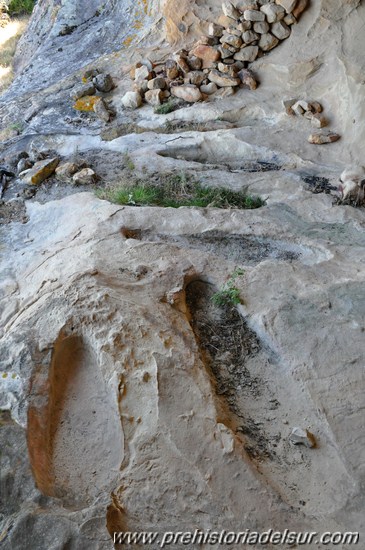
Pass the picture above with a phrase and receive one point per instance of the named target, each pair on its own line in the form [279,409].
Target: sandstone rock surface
[249,53]
[66,170]
[207,54]
[86,176]
[135,415]
[101,110]
[106,320]
[132,100]
[40,171]
[103,82]
[268,42]
[320,138]
[154,97]
[82,90]
[299,436]
[222,79]
[187,92]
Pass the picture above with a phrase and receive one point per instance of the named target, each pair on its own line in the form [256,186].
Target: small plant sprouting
[166,108]
[128,162]
[18,127]
[229,294]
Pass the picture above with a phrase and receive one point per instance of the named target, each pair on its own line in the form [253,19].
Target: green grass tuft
[229,294]
[128,162]
[21,7]
[175,190]
[135,196]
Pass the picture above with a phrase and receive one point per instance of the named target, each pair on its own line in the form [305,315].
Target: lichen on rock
[86,103]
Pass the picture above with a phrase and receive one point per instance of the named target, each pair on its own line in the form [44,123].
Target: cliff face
[64,36]
[130,401]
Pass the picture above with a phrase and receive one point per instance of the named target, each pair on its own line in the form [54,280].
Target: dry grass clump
[9,38]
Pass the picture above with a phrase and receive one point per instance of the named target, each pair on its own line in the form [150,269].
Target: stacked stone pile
[217,64]
[86,95]
[36,167]
[313,111]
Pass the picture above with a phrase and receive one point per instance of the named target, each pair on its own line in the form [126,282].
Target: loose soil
[226,342]
[12,211]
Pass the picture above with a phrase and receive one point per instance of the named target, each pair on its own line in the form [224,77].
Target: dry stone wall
[217,63]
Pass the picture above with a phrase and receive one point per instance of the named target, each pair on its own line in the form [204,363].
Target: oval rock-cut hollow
[86,443]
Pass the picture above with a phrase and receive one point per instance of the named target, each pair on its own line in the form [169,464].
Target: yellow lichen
[145,6]
[143,9]
[127,42]
[41,171]
[138,24]
[86,103]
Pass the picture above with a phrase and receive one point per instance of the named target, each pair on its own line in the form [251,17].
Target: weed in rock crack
[229,294]
[128,162]
[18,127]
[166,108]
